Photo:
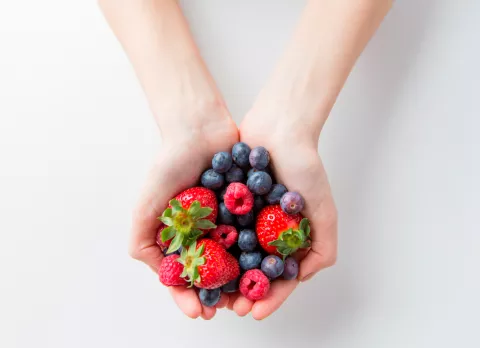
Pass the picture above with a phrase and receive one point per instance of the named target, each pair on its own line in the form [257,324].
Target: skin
[195,123]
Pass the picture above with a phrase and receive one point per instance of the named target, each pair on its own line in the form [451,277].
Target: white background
[401,148]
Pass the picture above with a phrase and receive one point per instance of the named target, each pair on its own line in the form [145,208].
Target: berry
[292,203]
[259,183]
[212,180]
[258,203]
[209,298]
[291,269]
[224,235]
[207,265]
[176,252]
[275,194]
[170,271]
[250,260]
[188,216]
[231,286]
[247,240]
[254,285]
[281,234]
[246,219]
[235,174]
[238,199]
[224,215]
[259,158]
[221,162]
[240,154]
[272,266]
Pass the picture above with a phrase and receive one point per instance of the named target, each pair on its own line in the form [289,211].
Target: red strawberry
[187,217]
[170,271]
[224,235]
[280,233]
[208,265]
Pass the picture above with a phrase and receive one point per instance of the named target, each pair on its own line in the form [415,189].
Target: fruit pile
[236,232]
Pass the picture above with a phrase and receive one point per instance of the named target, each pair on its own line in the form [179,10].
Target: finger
[321,255]
[242,306]
[224,298]
[208,312]
[278,293]
[232,299]
[187,300]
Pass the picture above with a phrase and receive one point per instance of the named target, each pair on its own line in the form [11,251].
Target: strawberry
[280,233]
[170,271]
[187,217]
[207,265]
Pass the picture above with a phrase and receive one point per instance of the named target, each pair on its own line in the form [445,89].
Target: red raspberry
[254,285]
[238,199]
[170,270]
[224,235]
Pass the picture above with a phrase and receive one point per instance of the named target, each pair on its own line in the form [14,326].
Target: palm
[299,168]
[178,166]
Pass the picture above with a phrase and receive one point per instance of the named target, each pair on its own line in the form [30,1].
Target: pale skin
[195,123]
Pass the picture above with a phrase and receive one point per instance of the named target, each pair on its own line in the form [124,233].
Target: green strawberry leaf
[303,224]
[166,220]
[277,243]
[176,206]
[167,234]
[167,212]
[194,208]
[203,212]
[205,224]
[176,243]
[305,245]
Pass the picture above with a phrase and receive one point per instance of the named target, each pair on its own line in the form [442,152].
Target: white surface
[401,147]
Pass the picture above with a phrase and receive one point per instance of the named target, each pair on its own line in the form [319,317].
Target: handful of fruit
[236,233]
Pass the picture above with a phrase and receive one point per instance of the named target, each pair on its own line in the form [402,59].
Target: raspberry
[238,199]
[254,285]
[170,270]
[224,235]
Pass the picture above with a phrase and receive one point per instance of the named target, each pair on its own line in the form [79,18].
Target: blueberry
[250,260]
[292,203]
[272,266]
[209,298]
[247,240]
[231,286]
[235,174]
[259,183]
[291,269]
[275,194]
[221,162]
[240,154]
[212,180]
[258,204]
[224,216]
[259,158]
[246,219]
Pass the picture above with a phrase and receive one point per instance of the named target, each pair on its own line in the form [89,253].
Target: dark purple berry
[292,203]
[246,219]
[275,194]
[209,298]
[259,158]
[234,174]
[259,183]
[290,269]
[240,154]
[250,260]
[221,194]
[221,162]
[272,266]
[231,286]
[247,240]
[212,180]
[258,204]
[224,215]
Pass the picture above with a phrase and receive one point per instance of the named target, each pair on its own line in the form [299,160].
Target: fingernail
[307,277]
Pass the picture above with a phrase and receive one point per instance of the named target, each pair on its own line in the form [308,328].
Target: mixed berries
[235,232]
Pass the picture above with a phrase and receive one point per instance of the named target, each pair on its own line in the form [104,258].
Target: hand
[296,164]
[186,152]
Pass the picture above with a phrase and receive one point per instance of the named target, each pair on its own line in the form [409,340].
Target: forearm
[158,42]
[329,38]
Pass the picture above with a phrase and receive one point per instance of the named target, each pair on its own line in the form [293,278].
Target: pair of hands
[187,152]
